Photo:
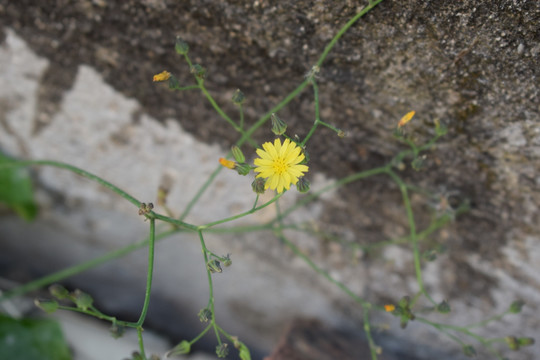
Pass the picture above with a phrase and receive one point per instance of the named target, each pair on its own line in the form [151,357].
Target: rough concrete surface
[76,87]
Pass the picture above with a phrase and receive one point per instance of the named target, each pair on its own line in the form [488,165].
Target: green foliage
[16,189]
[32,339]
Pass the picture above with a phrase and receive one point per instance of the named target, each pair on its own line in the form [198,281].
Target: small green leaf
[16,190]
[32,339]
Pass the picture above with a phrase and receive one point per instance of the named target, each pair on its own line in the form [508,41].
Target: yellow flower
[389,308]
[405,119]
[162,76]
[280,164]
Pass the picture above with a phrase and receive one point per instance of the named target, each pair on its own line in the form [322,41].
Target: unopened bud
[302,185]
[162,76]
[181,46]
[49,306]
[58,291]
[278,126]
[117,331]
[82,299]
[222,350]
[443,307]
[173,83]
[258,185]
[516,306]
[469,350]
[198,71]
[238,97]
[205,315]
[341,133]
[238,154]
[243,169]
[183,348]
[404,302]
[525,341]
[512,342]
[214,266]
[227,260]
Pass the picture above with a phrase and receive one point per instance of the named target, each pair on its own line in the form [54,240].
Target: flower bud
[404,302]
[49,306]
[181,349]
[198,71]
[214,266]
[516,306]
[205,315]
[116,331]
[469,350]
[238,97]
[302,185]
[419,163]
[443,307]
[238,154]
[525,341]
[222,350]
[512,342]
[162,76]
[173,83]
[227,260]
[58,291]
[243,169]
[341,133]
[440,129]
[278,126]
[181,46]
[82,299]
[406,118]
[258,185]
[227,163]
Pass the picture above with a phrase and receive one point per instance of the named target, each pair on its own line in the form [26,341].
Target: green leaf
[16,190]
[32,339]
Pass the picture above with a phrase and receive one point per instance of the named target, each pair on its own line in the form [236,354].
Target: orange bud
[227,163]
[162,76]
[405,119]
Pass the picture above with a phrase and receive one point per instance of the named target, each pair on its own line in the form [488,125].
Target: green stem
[141,343]
[413,236]
[250,211]
[77,171]
[151,247]
[317,114]
[367,330]
[344,29]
